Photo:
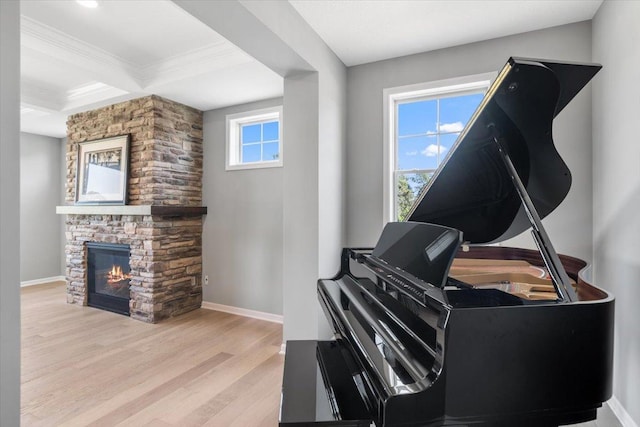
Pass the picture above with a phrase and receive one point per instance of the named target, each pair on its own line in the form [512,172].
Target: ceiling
[75,58]
[363,31]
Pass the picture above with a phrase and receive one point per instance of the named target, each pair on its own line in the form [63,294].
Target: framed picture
[102,173]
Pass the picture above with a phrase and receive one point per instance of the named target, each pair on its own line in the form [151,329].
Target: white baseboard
[621,413]
[283,348]
[42,281]
[269,317]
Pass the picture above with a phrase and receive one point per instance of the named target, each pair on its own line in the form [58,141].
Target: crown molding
[41,37]
[44,98]
[212,57]
[57,46]
[116,72]
[47,99]
[91,93]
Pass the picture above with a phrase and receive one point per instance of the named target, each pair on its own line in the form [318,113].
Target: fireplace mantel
[154,210]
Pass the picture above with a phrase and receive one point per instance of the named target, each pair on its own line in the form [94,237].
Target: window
[422,126]
[254,139]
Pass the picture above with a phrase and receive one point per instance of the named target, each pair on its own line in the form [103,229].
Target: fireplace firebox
[108,276]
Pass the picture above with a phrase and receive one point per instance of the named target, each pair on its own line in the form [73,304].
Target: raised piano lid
[472,190]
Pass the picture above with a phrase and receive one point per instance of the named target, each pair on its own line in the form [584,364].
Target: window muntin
[426,128]
[259,142]
[254,139]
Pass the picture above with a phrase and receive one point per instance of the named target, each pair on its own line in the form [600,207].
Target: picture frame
[103,171]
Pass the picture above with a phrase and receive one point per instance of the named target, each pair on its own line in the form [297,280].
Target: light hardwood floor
[87,367]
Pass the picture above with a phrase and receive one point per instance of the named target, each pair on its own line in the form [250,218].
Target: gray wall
[40,193]
[63,182]
[242,232]
[616,171]
[314,107]
[569,226]
[9,213]
[314,178]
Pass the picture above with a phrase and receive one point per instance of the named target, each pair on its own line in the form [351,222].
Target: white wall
[616,171]
[569,226]
[9,213]
[40,193]
[242,231]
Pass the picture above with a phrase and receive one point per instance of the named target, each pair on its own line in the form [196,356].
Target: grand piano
[439,325]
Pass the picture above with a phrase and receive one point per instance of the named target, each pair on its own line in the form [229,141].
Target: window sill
[256,165]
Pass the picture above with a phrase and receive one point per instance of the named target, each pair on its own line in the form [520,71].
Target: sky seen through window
[426,131]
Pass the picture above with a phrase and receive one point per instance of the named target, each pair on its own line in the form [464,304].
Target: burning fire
[116,275]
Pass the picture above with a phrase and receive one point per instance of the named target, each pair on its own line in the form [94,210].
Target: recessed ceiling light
[88,3]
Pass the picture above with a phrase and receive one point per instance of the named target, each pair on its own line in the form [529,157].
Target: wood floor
[86,367]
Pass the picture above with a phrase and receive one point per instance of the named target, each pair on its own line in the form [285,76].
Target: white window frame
[234,146]
[391,98]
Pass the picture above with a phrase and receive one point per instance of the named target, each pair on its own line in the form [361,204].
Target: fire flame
[116,275]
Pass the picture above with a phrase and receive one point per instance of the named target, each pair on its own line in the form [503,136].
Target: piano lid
[472,190]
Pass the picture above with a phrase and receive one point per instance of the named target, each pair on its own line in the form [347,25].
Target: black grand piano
[435,326]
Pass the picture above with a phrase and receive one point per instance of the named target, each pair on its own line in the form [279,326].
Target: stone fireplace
[161,225]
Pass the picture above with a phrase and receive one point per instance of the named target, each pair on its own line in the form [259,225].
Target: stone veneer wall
[166,261]
[165,163]
[165,169]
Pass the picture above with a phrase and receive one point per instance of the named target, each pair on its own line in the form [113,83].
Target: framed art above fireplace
[102,172]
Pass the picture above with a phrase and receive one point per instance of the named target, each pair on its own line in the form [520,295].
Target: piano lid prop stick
[550,257]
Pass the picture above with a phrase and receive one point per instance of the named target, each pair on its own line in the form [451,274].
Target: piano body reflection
[434,326]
